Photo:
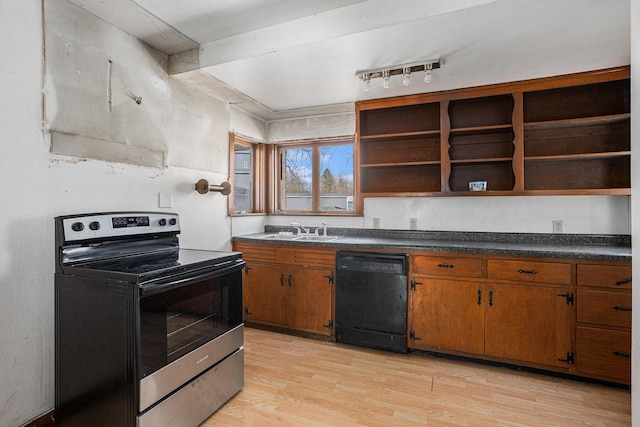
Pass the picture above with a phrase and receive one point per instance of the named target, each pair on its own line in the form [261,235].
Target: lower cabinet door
[265,294]
[528,323]
[447,315]
[309,300]
[604,353]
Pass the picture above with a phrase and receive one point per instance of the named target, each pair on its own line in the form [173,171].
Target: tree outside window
[317,178]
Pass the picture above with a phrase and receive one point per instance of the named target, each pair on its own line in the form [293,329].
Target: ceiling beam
[353,19]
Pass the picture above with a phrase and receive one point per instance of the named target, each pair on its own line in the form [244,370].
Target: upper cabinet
[400,149]
[561,135]
[577,138]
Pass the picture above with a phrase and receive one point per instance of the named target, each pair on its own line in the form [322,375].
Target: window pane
[296,179]
[336,178]
[243,178]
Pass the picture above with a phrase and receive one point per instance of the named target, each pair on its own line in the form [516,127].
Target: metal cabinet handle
[521,271]
[618,308]
[491,298]
[479,297]
[281,279]
[446,266]
[289,280]
[625,355]
[623,282]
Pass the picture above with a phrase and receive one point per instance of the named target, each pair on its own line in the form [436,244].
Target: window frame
[259,182]
[315,145]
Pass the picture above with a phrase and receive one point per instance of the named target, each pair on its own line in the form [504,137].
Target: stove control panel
[107,225]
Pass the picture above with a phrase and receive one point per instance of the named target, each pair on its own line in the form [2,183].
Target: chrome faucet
[324,230]
[299,227]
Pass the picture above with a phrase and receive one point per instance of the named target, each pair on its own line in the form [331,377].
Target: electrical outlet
[164,200]
[376,222]
[557,225]
[413,223]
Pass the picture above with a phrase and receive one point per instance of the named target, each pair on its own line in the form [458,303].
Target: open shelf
[489,111]
[583,121]
[578,174]
[498,174]
[388,136]
[481,130]
[400,120]
[559,135]
[400,179]
[579,101]
[411,149]
[602,155]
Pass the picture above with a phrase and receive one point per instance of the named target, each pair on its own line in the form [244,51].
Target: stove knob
[162,222]
[94,225]
[173,221]
[77,226]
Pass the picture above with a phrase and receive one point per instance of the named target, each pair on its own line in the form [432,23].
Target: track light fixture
[405,70]
[367,82]
[427,72]
[406,74]
[385,79]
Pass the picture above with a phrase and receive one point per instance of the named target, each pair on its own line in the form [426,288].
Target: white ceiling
[286,58]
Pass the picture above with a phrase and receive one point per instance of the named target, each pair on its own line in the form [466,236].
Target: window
[246,164]
[316,177]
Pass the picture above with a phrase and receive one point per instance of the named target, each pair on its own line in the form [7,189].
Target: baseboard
[47,420]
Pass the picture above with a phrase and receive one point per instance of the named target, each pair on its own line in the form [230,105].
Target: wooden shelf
[604,155]
[583,121]
[390,136]
[561,135]
[383,165]
[480,130]
[487,160]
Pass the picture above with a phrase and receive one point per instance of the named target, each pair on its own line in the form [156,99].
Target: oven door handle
[186,278]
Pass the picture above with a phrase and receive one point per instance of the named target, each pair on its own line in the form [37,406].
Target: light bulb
[427,73]
[385,79]
[406,73]
[367,83]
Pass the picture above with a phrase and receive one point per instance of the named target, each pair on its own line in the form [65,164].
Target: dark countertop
[578,246]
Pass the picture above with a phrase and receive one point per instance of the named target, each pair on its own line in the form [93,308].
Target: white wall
[525,214]
[37,185]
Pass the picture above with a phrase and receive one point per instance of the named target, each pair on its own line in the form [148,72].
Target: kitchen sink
[280,237]
[298,237]
[314,238]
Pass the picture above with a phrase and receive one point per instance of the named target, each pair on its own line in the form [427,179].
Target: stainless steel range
[148,334]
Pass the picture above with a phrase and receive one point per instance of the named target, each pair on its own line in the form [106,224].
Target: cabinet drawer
[603,307]
[611,276]
[529,271]
[603,352]
[446,266]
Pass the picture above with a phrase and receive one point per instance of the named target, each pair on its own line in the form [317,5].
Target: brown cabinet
[565,315]
[561,135]
[459,306]
[603,332]
[265,294]
[528,322]
[289,287]
[400,149]
[446,314]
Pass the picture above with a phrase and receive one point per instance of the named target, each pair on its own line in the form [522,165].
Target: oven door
[186,325]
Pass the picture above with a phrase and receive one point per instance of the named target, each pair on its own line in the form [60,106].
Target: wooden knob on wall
[203,187]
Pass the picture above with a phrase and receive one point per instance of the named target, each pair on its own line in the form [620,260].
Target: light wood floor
[292,381]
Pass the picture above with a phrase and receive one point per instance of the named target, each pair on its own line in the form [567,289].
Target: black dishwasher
[371,300]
